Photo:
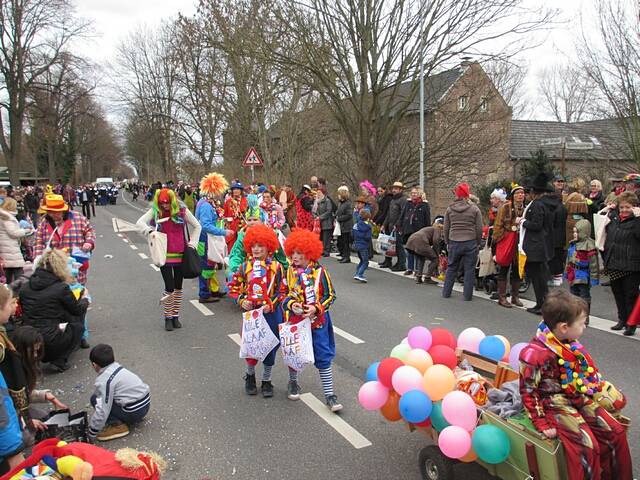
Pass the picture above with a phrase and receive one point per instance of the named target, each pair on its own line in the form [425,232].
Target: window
[484,104]
[595,141]
[463,103]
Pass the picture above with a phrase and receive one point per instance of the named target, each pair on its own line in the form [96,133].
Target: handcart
[532,455]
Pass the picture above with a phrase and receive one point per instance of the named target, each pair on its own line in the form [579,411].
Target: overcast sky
[113,19]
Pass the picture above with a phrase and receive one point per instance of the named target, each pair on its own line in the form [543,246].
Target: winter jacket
[10,433]
[361,235]
[426,242]
[325,213]
[414,217]
[505,220]
[383,208]
[31,202]
[10,235]
[558,211]
[395,210]
[582,259]
[595,203]
[47,302]
[577,209]
[621,247]
[344,215]
[463,222]
[538,241]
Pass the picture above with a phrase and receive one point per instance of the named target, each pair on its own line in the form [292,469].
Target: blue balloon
[372,372]
[415,406]
[492,347]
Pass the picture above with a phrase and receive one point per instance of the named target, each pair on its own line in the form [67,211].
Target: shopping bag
[317,228]
[257,338]
[296,344]
[61,424]
[387,244]
[506,249]
[337,231]
[486,265]
[158,247]
[216,248]
[600,223]
[191,265]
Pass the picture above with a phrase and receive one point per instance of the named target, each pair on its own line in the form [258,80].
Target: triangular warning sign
[252,159]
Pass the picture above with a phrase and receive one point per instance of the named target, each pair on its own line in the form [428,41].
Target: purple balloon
[419,337]
[514,355]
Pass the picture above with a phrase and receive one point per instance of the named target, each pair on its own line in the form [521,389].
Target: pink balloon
[407,378]
[514,355]
[459,409]
[470,338]
[373,395]
[419,337]
[454,442]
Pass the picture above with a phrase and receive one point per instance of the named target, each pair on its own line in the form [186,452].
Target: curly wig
[262,235]
[305,242]
[368,186]
[213,184]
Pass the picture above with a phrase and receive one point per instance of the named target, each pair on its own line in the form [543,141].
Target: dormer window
[463,103]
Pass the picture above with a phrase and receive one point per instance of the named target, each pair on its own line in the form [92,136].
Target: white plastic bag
[337,231]
[296,344]
[257,338]
[216,248]
[157,247]
[486,264]
[600,223]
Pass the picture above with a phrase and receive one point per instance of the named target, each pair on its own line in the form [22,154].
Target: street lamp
[422,14]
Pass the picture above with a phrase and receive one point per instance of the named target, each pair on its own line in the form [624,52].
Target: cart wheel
[434,465]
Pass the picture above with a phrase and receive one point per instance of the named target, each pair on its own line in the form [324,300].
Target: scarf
[578,372]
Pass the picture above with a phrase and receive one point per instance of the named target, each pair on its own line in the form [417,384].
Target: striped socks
[326,377]
[177,302]
[266,374]
[168,304]
[293,375]
[251,369]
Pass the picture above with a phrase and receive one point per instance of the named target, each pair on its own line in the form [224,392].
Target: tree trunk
[51,160]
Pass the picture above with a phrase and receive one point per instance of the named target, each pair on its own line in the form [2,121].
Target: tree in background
[567,93]
[538,162]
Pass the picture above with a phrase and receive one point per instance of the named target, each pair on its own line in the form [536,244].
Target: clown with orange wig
[257,284]
[169,216]
[308,293]
[211,186]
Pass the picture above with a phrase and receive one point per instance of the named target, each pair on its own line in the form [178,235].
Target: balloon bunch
[417,383]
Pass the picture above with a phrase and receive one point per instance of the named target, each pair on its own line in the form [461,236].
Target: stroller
[489,282]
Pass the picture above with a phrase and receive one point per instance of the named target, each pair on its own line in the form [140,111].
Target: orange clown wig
[213,184]
[304,242]
[261,235]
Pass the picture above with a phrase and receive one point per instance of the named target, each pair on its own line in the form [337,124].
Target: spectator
[426,244]
[49,305]
[622,256]
[287,200]
[618,188]
[369,192]
[415,215]
[384,200]
[304,205]
[577,207]
[596,197]
[462,234]
[497,199]
[324,213]
[344,217]
[362,238]
[10,235]
[632,183]
[395,210]
[31,204]
[554,201]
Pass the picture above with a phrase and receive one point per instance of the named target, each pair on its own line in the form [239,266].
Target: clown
[255,285]
[211,186]
[308,293]
[234,208]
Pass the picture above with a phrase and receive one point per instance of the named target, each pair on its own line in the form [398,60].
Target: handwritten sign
[257,338]
[296,344]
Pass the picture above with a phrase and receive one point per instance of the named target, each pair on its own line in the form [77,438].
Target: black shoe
[619,326]
[385,264]
[429,281]
[535,310]
[293,390]
[210,299]
[419,280]
[397,268]
[345,260]
[60,365]
[250,385]
[176,323]
[267,389]
[333,404]
[630,330]
[168,324]
[494,296]
[84,343]
[408,273]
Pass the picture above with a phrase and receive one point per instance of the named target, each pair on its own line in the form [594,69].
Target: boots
[630,330]
[386,263]
[177,303]
[621,325]
[515,293]
[502,294]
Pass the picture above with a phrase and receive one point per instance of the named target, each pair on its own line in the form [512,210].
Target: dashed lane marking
[236,338]
[157,269]
[349,433]
[133,247]
[204,310]
[347,336]
[142,256]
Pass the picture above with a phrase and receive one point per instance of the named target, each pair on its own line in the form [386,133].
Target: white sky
[113,19]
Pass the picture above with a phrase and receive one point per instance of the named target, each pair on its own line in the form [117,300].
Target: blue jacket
[207,216]
[361,235]
[10,434]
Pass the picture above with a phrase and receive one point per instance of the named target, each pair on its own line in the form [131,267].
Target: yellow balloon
[438,381]
[419,359]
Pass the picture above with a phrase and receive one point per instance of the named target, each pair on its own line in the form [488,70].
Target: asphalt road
[207,428]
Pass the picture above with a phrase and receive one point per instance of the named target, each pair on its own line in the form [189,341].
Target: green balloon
[437,419]
[400,351]
[490,444]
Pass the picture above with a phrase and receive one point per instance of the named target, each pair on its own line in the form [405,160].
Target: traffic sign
[252,159]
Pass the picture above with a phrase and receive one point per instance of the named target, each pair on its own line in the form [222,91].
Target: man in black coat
[396,204]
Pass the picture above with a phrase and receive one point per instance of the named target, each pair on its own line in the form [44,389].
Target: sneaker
[250,385]
[361,279]
[111,432]
[333,404]
[176,323]
[293,390]
[168,324]
[267,389]
[84,344]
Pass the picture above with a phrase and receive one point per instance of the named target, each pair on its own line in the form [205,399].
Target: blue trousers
[465,253]
[363,255]
[324,344]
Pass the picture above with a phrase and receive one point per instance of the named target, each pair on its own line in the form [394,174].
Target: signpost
[252,159]
[564,145]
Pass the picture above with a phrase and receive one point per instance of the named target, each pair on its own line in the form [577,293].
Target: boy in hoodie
[583,267]
[361,239]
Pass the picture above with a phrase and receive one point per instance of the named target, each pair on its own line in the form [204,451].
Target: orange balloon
[507,347]
[469,457]
[438,381]
[419,359]
[391,409]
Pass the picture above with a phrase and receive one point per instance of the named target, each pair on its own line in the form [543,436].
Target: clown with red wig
[255,285]
[308,293]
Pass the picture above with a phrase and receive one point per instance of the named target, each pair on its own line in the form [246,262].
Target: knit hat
[462,190]
[499,193]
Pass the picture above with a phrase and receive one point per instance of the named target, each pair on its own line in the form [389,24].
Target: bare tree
[508,76]
[567,93]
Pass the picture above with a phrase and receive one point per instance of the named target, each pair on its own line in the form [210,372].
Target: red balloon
[442,336]
[386,369]
[426,423]
[443,355]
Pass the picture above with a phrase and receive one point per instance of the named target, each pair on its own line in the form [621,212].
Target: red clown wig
[304,242]
[262,235]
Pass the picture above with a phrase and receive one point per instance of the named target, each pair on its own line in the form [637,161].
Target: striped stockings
[326,377]
[177,302]
[168,304]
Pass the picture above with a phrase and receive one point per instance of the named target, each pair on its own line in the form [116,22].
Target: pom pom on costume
[213,184]
[262,235]
[304,242]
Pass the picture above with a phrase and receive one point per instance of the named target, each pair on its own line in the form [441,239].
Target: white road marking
[347,336]
[114,224]
[157,269]
[129,203]
[204,310]
[125,240]
[142,256]
[236,338]
[350,434]
[120,235]
[133,247]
